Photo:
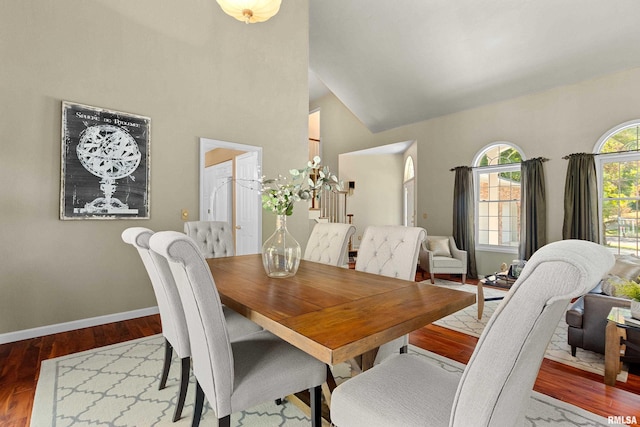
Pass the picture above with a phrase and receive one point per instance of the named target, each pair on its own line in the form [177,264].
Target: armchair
[439,254]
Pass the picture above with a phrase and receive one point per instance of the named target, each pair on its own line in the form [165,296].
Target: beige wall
[193,70]
[552,124]
[377,198]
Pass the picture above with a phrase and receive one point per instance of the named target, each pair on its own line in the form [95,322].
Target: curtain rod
[568,156]
[542,159]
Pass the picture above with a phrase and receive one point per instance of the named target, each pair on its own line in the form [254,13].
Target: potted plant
[631,290]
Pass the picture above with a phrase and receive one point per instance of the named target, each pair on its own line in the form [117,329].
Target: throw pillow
[626,268]
[440,247]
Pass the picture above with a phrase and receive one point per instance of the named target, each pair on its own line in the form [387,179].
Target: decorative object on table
[631,290]
[104,164]
[281,252]
[515,268]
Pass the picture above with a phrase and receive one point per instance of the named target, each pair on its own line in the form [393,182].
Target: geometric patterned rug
[117,385]
[466,321]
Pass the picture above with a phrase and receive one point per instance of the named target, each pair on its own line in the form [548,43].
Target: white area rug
[466,321]
[118,386]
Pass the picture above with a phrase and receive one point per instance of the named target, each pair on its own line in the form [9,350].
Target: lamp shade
[250,11]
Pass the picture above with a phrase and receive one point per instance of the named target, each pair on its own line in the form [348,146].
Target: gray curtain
[533,207]
[463,216]
[581,199]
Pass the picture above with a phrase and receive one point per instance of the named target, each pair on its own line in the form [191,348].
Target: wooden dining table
[332,313]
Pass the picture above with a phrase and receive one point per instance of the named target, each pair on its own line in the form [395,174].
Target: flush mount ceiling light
[250,11]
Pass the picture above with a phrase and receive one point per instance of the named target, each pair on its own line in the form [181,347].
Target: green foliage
[279,194]
[629,289]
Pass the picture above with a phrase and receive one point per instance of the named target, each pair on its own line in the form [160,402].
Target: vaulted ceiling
[396,62]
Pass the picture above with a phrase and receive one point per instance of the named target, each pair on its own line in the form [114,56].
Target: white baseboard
[76,324]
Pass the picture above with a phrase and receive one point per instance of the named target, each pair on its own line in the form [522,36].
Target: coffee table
[615,341]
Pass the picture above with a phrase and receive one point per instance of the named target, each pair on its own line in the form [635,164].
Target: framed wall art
[105,164]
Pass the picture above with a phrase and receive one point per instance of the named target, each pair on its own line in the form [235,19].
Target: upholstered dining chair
[391,250]
[440,254]
[233,375]
[496,384]
[328,243]
[174,325]
[214,238]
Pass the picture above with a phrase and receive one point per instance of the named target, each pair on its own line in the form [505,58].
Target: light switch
[185,215]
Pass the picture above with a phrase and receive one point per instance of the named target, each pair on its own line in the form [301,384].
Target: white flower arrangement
[279,194]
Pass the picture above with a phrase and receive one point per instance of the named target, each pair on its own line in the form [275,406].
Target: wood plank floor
[20,365]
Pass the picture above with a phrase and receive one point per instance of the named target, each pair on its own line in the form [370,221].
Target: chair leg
[184,384]
[197,410]
[404,349]
[573,350]
[433,279]
[225,421]
[168,354]
[464,278]
[316,406]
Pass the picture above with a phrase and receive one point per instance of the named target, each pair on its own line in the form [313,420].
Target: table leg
[480,299]
[611,353]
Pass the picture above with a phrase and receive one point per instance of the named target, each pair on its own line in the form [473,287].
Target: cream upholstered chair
[495,386]
[328,243]
[440,254]
[174,325]
[391,250]
[233,375]
[214,238]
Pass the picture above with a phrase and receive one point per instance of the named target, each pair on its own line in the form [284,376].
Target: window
[497,181]
[619,186]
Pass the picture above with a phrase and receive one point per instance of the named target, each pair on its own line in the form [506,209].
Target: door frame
[207,144]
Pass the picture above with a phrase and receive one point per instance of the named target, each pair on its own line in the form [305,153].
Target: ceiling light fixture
[250,11]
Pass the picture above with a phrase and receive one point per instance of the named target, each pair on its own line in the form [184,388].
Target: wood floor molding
[76,324]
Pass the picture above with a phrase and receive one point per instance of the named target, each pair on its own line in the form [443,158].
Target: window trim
[602,158]
[477,170]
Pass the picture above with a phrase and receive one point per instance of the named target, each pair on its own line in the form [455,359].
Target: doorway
[230,190]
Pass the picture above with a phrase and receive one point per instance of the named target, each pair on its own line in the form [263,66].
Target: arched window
[409,171]
[618,168]
[497,180]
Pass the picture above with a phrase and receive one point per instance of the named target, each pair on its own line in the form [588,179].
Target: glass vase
[281,252]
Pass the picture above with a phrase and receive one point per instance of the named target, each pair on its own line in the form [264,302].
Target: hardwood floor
[20,365]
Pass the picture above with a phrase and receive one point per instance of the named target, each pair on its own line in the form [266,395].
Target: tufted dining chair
[214,238]
[233,375]
[495,387]
[391,250]
[328,243]
[174,325]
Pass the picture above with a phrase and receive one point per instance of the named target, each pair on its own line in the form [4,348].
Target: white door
[248,206]
[409,204]
[221,203]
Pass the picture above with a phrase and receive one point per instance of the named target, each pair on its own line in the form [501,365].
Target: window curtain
[533,207]
[581,199]
[463,216]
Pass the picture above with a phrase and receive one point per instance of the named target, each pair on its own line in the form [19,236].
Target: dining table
[332,313]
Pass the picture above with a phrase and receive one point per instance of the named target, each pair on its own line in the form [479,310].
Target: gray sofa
[587,316]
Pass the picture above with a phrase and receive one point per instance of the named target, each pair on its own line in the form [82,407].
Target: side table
[615,341]
[502,283]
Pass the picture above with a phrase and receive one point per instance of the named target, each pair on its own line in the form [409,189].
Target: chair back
[174,324]
[497,382]
[211,353]
[328,243]
[390,250]
[214,238]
